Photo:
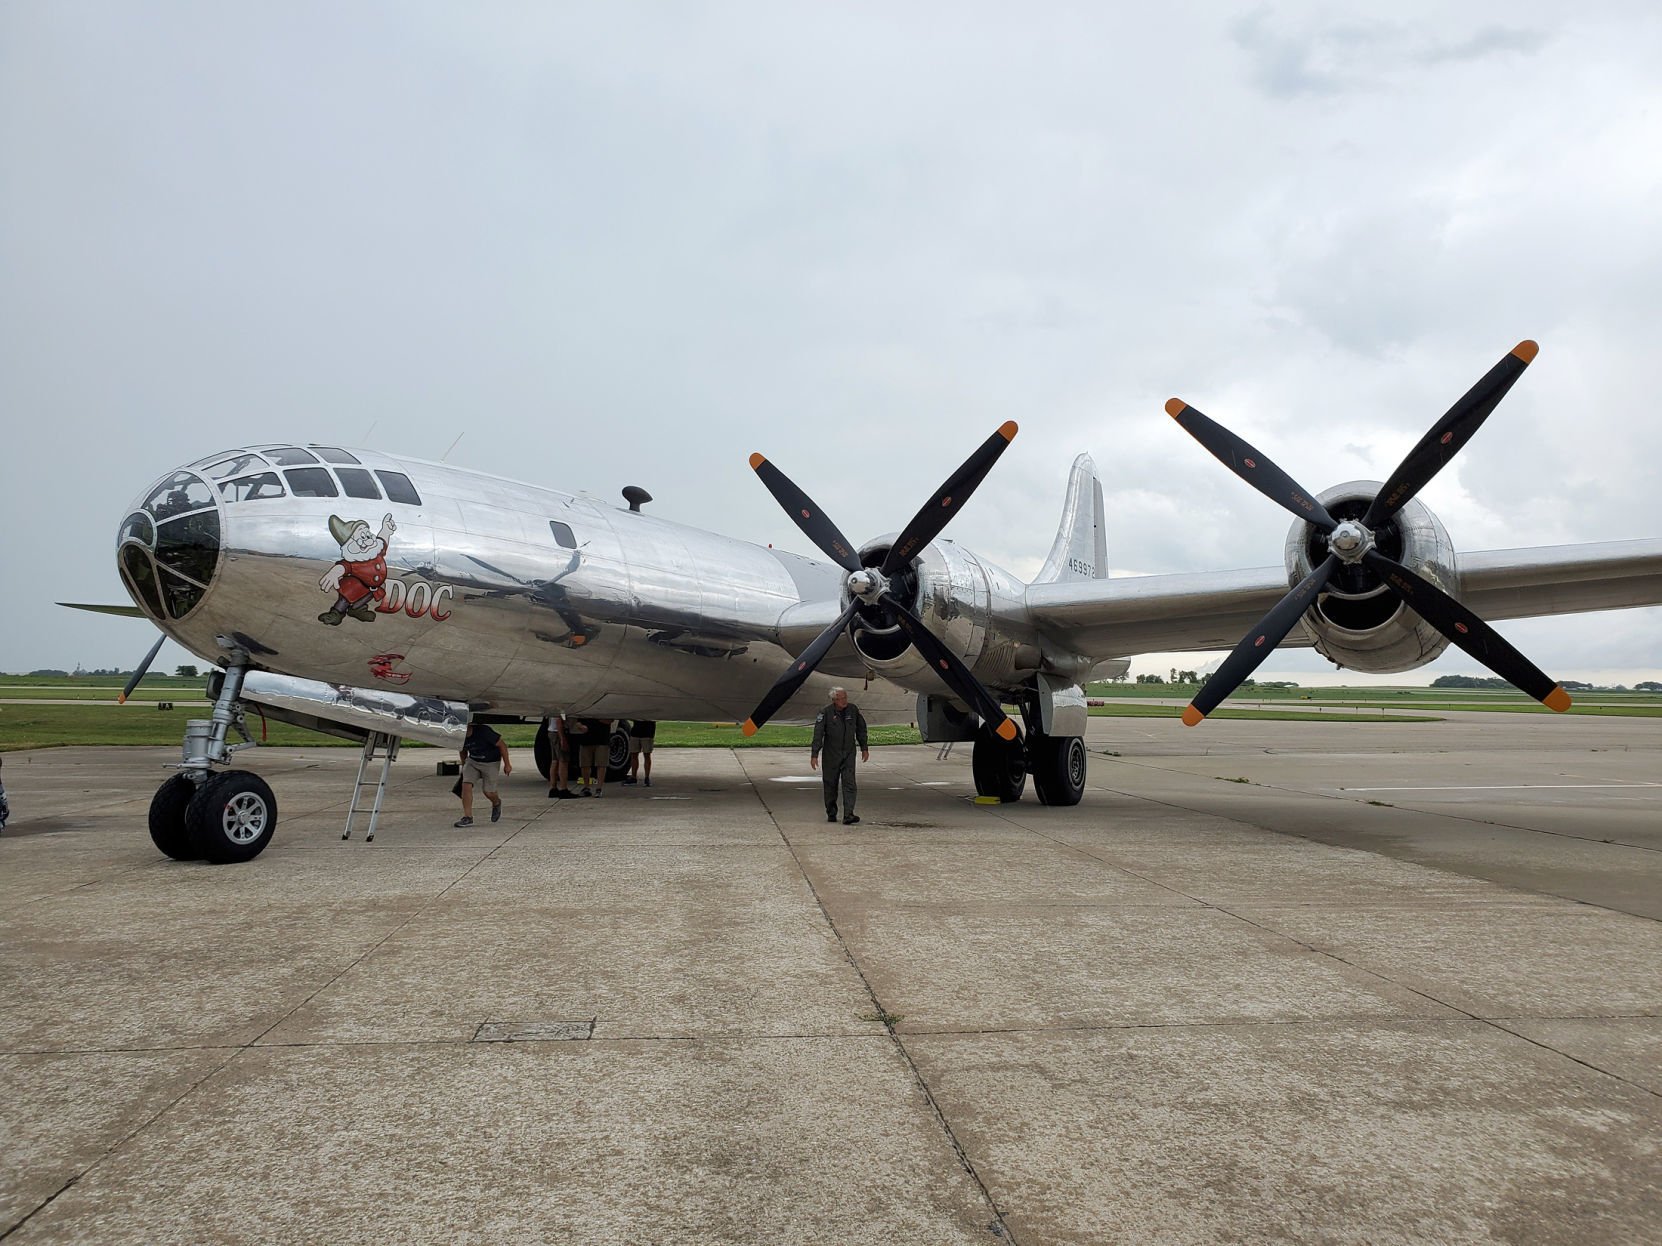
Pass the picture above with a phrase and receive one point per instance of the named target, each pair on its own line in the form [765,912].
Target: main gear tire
[1058,767]
[542,748]
[231,817]
[999,766]
[617,756]
[167,818]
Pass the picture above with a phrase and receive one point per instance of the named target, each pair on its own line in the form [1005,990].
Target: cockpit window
[289,456]
[236,465]
[311,482]
[357,482]
[189,545]
[333,454]
[137,527]
[178,495]
[399,488]
[254,488]
[562,534]
[180,593]
[141,579]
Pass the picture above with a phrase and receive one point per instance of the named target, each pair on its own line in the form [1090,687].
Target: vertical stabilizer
[1081,548]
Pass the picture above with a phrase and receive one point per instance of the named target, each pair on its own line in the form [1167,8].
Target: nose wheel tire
[231,817]
[167,818]
[1058,765]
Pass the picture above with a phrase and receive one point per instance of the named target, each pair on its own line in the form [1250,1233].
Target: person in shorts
[484,753]
[641,733]
[596,754]
[562,760]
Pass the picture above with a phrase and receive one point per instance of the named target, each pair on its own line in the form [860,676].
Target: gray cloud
[630,244]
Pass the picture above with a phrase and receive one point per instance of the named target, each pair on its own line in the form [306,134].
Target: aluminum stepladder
[388,746]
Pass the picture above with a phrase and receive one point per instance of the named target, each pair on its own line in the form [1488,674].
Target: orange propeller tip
[1526,350]
[1557,700]
[122,699]
[756,460]
[749,727]
[1006,730]
[1007,430]
[1192,717]
[1175,407]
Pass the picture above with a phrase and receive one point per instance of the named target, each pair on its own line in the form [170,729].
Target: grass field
[30,720]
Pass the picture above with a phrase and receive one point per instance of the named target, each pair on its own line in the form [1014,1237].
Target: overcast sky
[631,244]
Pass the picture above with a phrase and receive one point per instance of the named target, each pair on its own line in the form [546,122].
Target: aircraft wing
[1213,610]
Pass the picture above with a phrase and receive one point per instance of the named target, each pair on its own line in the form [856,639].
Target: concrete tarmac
[1331,982]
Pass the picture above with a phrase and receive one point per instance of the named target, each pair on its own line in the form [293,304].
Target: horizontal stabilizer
[126,612]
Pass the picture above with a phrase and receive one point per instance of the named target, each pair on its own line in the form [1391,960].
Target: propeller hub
[868,584]
[1350,541]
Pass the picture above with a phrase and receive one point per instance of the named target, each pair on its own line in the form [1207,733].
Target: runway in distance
[382,598]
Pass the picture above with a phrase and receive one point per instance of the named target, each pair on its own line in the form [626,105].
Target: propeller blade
[1250,465]
[952,670]
[1468,631]
[1259,643]
[143,669]
[1449,434]
[785,686]
[949,499]
[806,514]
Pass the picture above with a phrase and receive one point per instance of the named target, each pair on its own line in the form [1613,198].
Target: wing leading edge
[1211,610]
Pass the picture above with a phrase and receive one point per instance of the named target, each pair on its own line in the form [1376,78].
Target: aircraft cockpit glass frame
[235,465]
[399,487]
[358,482]
[170,548]
[334,454]
[255,488]
[311,482]
[288,456]
[179,494]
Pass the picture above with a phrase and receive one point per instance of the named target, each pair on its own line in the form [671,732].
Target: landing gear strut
[220,818]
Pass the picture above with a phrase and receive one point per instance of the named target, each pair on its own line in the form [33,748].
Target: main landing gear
[1055,763]
[200,815]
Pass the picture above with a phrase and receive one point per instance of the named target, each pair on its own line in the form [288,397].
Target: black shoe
[553,794]
[628,783]
[564,793]
[850,820]
[464,822]
[831,816]
[496,813]
[585,792]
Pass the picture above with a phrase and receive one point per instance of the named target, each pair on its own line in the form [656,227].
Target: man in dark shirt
[839,729]
[642,732]
[596,755]
[483,753]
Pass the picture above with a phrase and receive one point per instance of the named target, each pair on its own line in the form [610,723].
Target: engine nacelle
[1359,623]
[961,598]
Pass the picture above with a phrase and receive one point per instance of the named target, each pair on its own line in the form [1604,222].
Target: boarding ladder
[388,746]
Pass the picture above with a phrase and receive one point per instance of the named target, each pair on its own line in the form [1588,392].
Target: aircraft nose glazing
[169,546]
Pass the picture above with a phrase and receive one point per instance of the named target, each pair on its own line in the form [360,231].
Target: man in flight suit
[839,729]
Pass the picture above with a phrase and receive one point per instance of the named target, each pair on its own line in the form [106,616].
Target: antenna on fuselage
[446,454]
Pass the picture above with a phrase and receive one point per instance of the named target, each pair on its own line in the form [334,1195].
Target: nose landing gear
[220,818]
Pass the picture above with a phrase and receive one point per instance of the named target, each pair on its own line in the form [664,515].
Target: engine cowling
[1358,623]
[959,597]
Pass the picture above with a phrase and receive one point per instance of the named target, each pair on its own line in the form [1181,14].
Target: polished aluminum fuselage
[621,614]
